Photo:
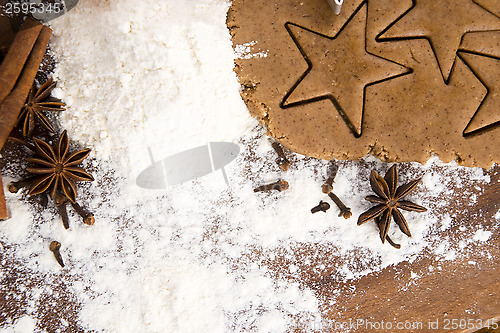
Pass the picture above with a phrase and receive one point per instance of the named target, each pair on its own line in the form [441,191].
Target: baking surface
[435,285]
[440,292]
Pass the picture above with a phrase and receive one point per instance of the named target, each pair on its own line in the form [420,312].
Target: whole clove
[88,218]
[54,247]
[282,161]
[280,185]
[328,185]
[14,187]
[322,207]
[61,201]
[344,211]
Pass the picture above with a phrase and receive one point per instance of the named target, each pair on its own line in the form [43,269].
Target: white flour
[245,51]
[199,256]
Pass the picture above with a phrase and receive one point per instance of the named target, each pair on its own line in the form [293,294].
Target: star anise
[57,169]
[35,105]
[389,199]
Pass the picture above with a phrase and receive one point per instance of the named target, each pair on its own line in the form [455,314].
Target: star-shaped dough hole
[487,70]
[443,23]
[342,68]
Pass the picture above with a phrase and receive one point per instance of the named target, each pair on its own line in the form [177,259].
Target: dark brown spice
[54,247]
[280,185]
[14,187]
[56,174]
[282,161]
[389,240]
[321,207]
[35,106]
[344,210]
[88,218]
[56,169]
[388,198]
[61,201]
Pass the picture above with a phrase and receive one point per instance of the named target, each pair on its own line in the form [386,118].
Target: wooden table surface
[458,290]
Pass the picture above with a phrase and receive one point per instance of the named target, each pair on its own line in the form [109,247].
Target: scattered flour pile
[148,74]
[200,256]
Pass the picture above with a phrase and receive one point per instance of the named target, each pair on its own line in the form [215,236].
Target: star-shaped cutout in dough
[487,70]
[339,69]
[425,19]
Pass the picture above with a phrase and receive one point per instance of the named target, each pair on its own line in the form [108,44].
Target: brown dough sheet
[406,118]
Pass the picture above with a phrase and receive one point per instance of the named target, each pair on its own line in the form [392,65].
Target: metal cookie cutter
[336,5]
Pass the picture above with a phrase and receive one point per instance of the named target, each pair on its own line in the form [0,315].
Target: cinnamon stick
[19,51]
[6,33]
[13,103]
[3,205]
